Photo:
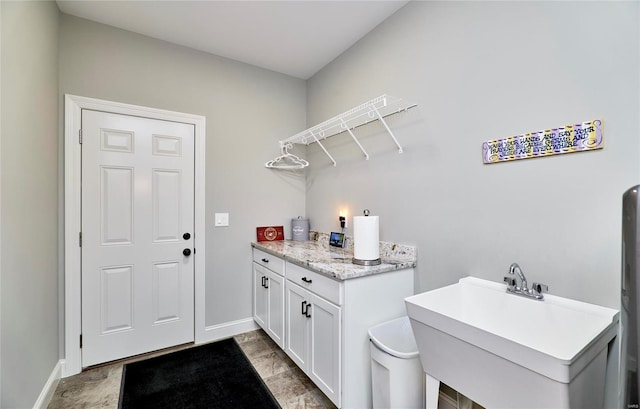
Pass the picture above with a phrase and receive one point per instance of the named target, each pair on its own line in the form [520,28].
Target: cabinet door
[275,308]
[259,295]
[297,324]
[325,343]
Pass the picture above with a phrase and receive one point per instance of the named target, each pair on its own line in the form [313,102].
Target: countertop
[335,262]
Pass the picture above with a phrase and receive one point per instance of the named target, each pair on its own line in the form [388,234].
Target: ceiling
[294,37]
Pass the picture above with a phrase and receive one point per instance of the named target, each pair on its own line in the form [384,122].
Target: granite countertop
[335,262]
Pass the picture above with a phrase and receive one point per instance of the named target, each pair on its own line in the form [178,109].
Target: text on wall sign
[567,139]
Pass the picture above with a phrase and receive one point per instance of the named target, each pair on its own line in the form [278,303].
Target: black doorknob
[186,252]
[186,236]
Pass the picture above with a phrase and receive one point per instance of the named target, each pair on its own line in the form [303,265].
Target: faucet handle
[511,282]
[539,288]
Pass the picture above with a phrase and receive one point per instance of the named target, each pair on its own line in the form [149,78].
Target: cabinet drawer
[317,283]
[273,263]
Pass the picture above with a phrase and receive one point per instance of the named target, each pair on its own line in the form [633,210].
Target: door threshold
[142,357]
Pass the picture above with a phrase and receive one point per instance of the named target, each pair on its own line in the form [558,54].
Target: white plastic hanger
[287,160]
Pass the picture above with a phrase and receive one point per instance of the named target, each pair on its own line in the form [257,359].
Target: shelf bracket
[321,134]
[346,127]
[374,109]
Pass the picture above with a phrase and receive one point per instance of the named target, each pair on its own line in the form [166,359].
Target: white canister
[300,229]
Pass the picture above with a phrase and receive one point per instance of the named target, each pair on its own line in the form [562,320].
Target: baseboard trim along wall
[49,387]
[228,329]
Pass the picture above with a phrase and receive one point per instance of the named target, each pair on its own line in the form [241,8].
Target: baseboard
[228,329]
[50,387]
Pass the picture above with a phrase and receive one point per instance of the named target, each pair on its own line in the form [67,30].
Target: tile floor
[99,387]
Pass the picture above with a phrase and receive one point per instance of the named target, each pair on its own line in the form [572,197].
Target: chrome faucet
[514,268]
[535,291]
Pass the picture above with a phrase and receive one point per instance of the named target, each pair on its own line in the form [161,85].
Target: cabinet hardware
[303,304]
[263,277]
[307,280]
[265,260]
[306,311]
[266,282]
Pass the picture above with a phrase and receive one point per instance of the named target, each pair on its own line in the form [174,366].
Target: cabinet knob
[307,280]
[265,260]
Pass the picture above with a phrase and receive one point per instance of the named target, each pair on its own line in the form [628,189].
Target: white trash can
[396,372]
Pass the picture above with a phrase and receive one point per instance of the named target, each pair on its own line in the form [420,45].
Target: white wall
[247,110]
[29,170]
[480,71]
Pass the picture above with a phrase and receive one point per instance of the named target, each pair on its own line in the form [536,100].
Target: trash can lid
[395,337]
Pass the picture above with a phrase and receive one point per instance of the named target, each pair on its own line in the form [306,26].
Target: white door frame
[72,216]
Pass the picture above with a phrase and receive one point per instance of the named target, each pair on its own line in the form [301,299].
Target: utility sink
[507,351]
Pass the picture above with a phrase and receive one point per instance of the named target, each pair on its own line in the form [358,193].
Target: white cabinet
[259,296]
[298,325]
[325,341]
[275,308]
[322,323]
[268,296]
[314,337]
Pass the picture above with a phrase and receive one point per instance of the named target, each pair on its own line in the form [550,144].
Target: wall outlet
[221,219]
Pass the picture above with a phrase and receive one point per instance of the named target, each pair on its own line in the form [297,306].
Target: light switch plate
[221,219]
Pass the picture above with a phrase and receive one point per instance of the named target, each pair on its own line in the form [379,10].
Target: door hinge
[80,239]
[80,340]
[80,136]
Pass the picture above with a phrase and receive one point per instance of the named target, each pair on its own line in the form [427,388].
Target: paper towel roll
[366,243]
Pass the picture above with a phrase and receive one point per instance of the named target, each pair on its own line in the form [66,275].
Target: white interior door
[137,219]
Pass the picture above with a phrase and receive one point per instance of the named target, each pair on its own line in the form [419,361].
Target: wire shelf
[373,110]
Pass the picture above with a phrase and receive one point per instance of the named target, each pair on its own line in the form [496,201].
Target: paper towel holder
[359,262]
[365,263]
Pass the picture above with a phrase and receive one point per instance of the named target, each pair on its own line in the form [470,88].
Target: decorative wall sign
[270,233]
[567,139]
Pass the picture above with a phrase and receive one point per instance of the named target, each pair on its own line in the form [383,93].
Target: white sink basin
[504,350]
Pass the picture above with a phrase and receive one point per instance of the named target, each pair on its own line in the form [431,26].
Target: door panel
[297,325]
[117,141]
[275,322]
[167,145]
[167,193]
[116,197]
[259,295]
[137,201]
[325,347]
[115,298]
[166,291]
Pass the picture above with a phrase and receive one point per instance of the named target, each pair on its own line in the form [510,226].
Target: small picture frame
[270,233]
[336,239]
